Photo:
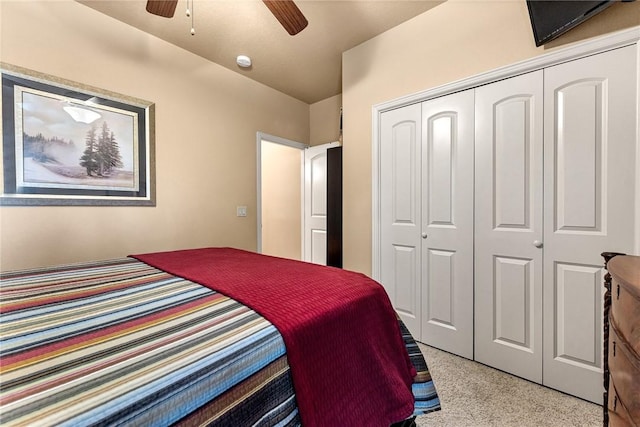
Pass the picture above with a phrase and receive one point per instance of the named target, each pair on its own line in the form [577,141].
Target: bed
[212,336]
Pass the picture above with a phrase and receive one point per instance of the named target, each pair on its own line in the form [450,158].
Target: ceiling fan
[285,11]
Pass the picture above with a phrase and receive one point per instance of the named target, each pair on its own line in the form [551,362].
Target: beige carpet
[474,395]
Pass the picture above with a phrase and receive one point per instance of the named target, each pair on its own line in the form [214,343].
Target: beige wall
[324,120]
[454,40]
[206,123]
[207,118]
[281,200]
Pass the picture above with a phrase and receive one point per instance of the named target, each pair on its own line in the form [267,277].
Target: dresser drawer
[625,310]
[618,415]
[625,298]
[624,369]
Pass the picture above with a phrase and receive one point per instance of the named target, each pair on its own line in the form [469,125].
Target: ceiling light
[243,61]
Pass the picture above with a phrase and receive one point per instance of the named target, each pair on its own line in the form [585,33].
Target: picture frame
[66,143]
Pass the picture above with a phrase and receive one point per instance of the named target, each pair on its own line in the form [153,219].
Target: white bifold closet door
[400,242]
[426,216]
[555,186]
[591,131]
[447,223]
[508,225]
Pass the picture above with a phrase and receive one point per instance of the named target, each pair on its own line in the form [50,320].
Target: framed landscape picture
[64,143]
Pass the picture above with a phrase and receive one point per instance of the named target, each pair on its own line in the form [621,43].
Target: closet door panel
[511,163]
[577,314]
[590,165]
[579,155]
[508,225]
[400,212]
[439,299]
[512,301]
[447,223]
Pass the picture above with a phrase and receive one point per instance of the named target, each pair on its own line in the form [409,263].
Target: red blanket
[348,361]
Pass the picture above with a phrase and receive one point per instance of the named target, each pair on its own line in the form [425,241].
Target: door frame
[262,136]
[590,47]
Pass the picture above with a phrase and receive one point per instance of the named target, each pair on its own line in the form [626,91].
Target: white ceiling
[307,66]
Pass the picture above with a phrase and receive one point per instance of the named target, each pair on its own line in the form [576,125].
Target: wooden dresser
[622,340]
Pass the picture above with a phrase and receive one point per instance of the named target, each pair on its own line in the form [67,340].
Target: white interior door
[447,223]
[400,192]
[591,131]
[315,203]
[508,225]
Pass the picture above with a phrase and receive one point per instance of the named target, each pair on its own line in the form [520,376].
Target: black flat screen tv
[551,18]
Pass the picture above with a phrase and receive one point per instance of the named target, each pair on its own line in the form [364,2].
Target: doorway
[292,198]
[280,174]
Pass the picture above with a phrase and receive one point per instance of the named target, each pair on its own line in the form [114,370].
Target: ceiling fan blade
[288,14]
[165,8]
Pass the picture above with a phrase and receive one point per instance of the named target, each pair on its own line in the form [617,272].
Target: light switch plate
[241,211]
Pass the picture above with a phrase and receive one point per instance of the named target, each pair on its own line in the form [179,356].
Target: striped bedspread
[120,342]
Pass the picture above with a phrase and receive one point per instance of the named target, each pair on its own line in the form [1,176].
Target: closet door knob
[537,243]
[424,235]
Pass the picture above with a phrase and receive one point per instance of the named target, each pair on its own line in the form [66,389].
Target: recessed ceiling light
[243,61]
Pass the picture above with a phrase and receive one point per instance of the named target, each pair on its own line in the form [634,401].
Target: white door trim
[590,47]
[261,136]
